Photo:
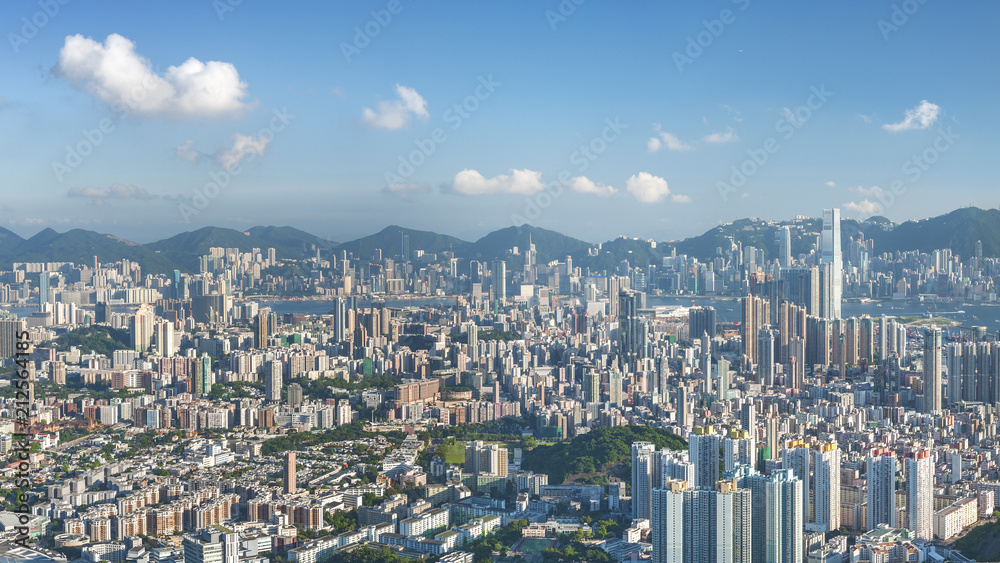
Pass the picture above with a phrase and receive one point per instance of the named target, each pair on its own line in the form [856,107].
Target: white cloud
[727,136]
[116,191]
[831,184]
[396,114]
[865,118]
[647,188]
[243,146]
[664,138]
[873,191]
[920,117]
[585,185]
[118,76]
[865,207]
[186,151]
[471,182]
[679,198]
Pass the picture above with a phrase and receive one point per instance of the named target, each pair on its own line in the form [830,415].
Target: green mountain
[549,245]
[291,238]
[958,230]
[390,240]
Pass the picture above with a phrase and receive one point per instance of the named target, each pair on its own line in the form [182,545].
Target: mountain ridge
[958,230]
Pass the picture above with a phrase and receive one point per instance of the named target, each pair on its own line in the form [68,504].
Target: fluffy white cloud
[647,188]
[397,114]
[873,191]
[471,182]
[118,76]
[920,117]
[243,146]
[585,185]
[727,136]
[831,184]
[666,139]
[116,191]
[678,198]
[187,152]
[866,207]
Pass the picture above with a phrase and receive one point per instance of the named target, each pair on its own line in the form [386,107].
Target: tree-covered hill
[592,451]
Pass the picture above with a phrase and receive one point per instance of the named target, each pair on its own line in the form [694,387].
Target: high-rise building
[631,346]
[832,256]
[289,473]
[776,522]
[485,459]
[920,494]
[339,313]
[755,315]
[166,344]
[272,381]
[722,367]
[9,329]
[702,320]
[766,356]
[932,370]
[265,324]
[881,475]
[785,247]
[700,526]
[646,474]
[591,385]
[705,452]
[141,328]
[825,487]
[615,388]
[44,279]
[498,283]
[295,395]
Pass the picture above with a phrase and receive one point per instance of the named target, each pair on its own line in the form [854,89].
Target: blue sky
[670,99]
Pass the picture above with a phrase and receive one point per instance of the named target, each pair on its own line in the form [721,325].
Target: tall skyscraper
[499,280]
[755,315]
[615,388]
[766,356]
[339,313]
[881,475]
[701,526]
[9,329]
[166,344]
[785,247]
[272,381]
[920,494]
[825,487]
[645,474]
[289,473]
[141,328]
[705,452]
[295,395]
[405,247]
[631,346]
[832,256]
[722,367]
[932,370]
[265,324]
[702,320]
[706,362]
[776,522]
